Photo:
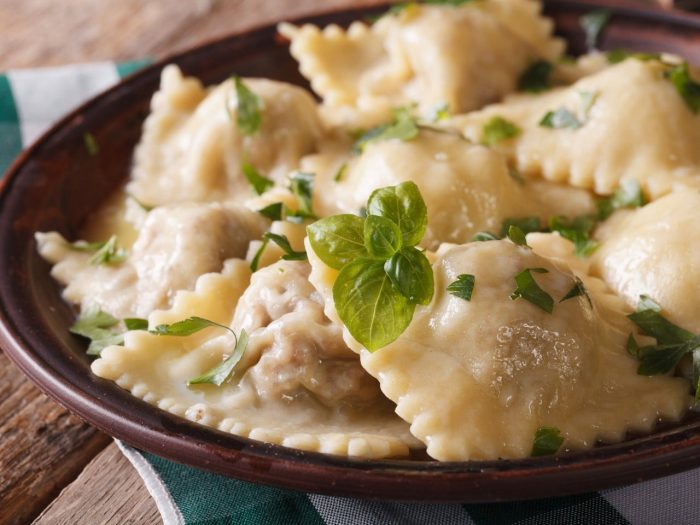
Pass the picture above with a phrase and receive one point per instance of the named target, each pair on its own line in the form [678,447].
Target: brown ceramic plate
[56,184]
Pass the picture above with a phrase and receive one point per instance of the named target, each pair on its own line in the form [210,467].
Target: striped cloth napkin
[30,101]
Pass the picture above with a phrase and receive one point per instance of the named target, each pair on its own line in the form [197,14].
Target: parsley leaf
[548,441]
[134,323]
[687,88]
[648,317]
[484,236]
[535,78]
[628,195]
[99,327]
[289,253]
[341,172]
[220,373]
[404,126]
[91,145]
[593,24]
[517,236]
[302,188]
[186,327]
[249,105]
[526,224]
[338,240]
[577,291]
[259,183]
[560,119]
[272,211]
[463,287]
[106,252]
[528,289]
[578,231]
[498,129]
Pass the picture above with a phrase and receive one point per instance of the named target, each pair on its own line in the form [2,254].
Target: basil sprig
[383,276]
[593,24]
[105,252]
[673,342]
[249,108]
[497,129]
[548,441]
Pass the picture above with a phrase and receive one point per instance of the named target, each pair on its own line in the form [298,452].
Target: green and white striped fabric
[30,100]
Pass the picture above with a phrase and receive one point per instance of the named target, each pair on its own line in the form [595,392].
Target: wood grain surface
[44,449]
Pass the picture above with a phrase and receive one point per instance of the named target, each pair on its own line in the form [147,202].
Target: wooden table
[54,468]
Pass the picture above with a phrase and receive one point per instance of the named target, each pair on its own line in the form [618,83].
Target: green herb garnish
[91,145]
[498,129]
[290,254]
[687,88]
[484,236]
[578,290]
[220,373]
[439,112]
[135,323]
[618,55]
[463,287]
[341,172]
[528,289]
[535,79]
[577,230]
[560,119]
[105,252]
[249,108]
[259,183]
[272,211]
[404,126]
[593,24]
[302,188]
[517,236]
[526,224]
[628,195]
[99,327]
[382,274]
[548,441]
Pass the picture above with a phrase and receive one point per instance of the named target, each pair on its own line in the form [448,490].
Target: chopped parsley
[404,126]
[536,78]
[548,441]
[249,108]
[341,172]
[517,236]
[272,211]
[687,88]
[593,24]
[290,254]
[498,129]
[302,188]
[528,289]
[577,230]
[526,224]
[578,290]
[259,183]
[105,252]
[628,195]
[484,236]
[221,372]
[463,287]
[563,118]
[103,329]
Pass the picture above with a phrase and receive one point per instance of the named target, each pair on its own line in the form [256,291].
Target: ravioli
[467,187]
[192,149]
[175,245]
[298,384]
[503,368]
[400,59]
[634,125]
[653,251]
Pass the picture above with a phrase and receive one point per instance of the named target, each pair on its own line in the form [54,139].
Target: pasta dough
[508,366]
[637,127]
[400,59]
[298,384]
[192,149]
[653,251]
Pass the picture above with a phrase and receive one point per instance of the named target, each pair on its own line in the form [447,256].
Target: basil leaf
[498,129]
[578,231]
[220,373]
[662,359]
[272,211]
[593,24]
[404,205]
[98,326]
[289,253]
[463,287]
[374,312]
[411,274]
[517,236]
[535,78]
[526,224]
[249,108]
[548,441]
[687,88]
[134,323]
[338,240]
[404,127]
[341,172]
[302,188]
[91,145]
[649,319]
[560,119]
[259,183]
[382,237]
[628,195]
[484,236]
[577,291]
[186,327]
[528,289]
